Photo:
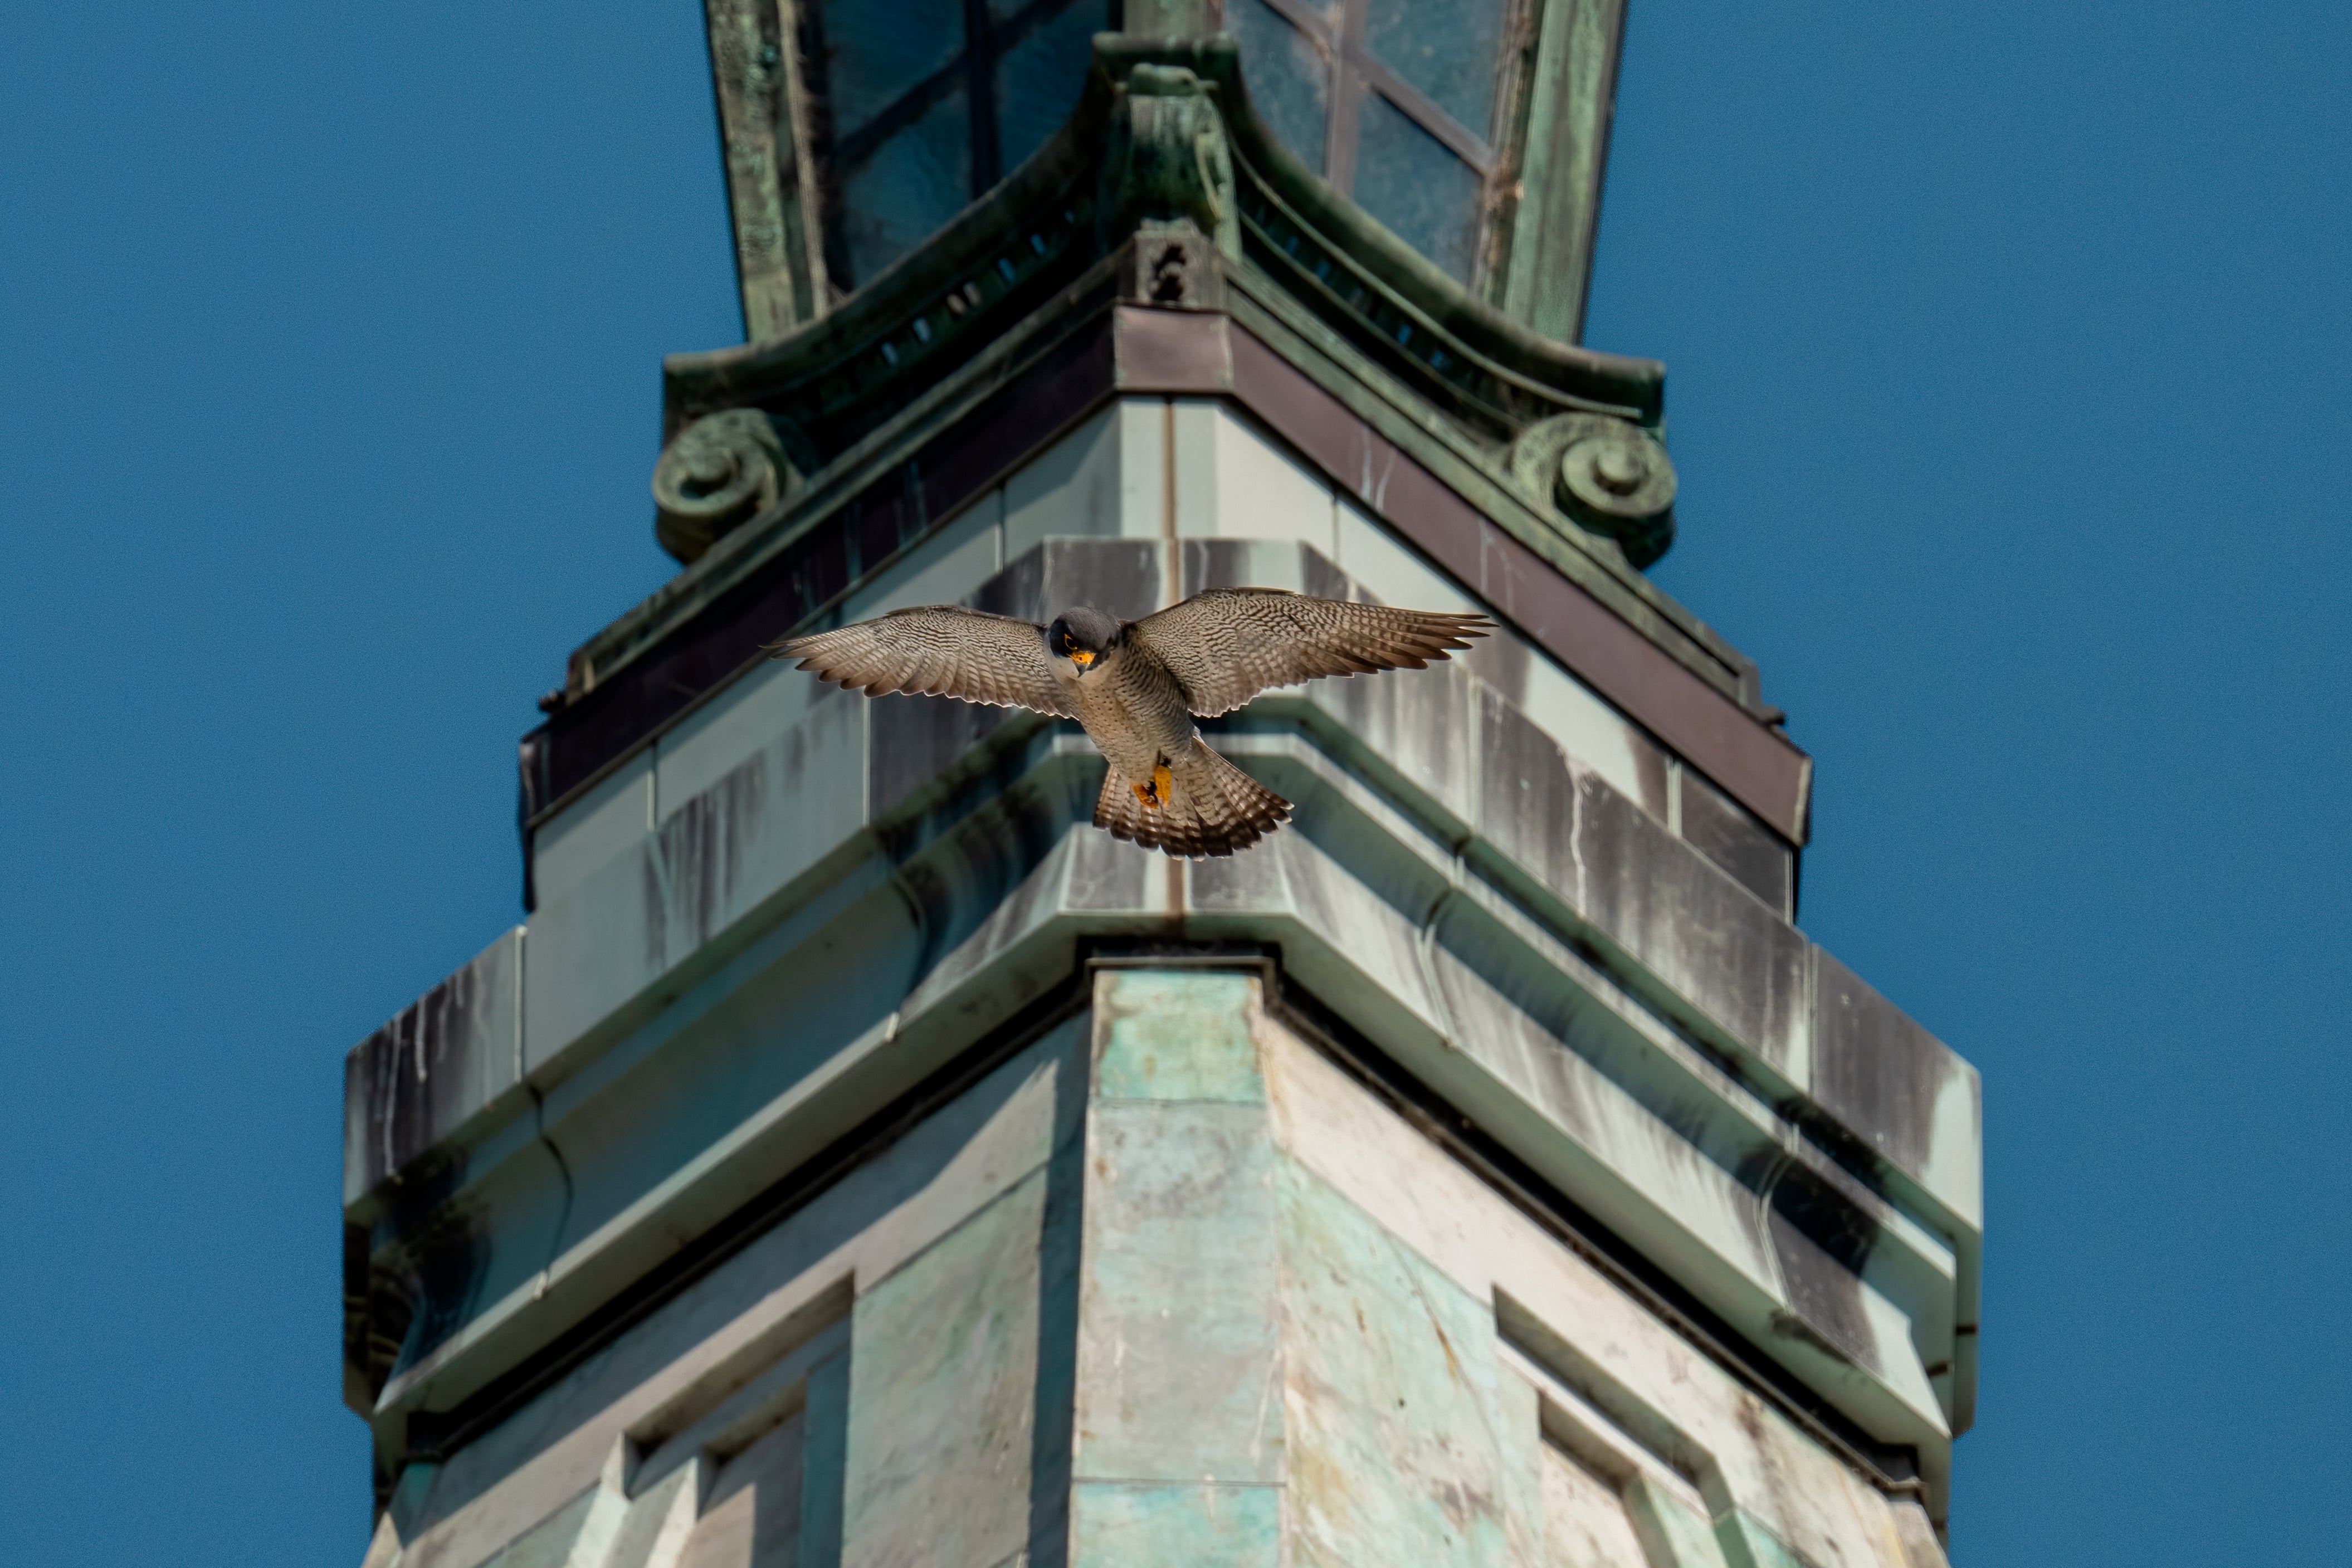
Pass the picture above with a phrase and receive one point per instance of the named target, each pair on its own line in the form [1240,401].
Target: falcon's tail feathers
[1213,809]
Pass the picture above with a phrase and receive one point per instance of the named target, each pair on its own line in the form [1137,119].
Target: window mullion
[1471,148]
[1346,95]
[979,64]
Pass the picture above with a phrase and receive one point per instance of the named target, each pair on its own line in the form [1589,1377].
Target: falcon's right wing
[940,650]
[1230,643]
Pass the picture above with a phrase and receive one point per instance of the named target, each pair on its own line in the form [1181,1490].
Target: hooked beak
[1081,658]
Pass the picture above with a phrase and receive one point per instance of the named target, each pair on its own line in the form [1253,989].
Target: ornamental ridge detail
[1163,140]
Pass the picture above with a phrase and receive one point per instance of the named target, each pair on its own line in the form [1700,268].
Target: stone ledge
[980,906]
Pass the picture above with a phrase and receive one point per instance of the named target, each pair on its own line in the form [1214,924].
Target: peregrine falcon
[1137,686]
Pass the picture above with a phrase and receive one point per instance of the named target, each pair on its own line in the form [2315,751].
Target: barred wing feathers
[938,650]
[1230,643]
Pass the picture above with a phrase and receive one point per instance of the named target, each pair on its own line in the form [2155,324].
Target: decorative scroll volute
[1167,159]
[720,472]
[1608,476]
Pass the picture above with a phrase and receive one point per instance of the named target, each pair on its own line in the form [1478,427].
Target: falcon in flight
[1137,685]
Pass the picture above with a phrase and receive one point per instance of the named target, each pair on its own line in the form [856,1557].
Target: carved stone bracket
[1608,476]
[720,472]
[1167,159]
[1174,267]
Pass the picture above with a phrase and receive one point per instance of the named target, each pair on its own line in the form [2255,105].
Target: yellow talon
[1154,794]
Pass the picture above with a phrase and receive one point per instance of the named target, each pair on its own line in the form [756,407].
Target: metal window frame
[1541,163]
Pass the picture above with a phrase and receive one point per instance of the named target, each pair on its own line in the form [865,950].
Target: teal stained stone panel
[1187,1526]
[1169,1035]
[825,1458]
[1748,1544]
[1397,1430]
[1179,1346]
[1674,1535]
[942,1385]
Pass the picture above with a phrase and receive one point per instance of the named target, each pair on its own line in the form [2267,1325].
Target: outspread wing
[940,650]
[1230,643]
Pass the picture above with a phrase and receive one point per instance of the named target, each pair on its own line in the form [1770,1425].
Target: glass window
[1413,184]
[1450,49]
[1038,74]
[1396,103]
[911,183]
[922,105]
[873,54]
[1288,74]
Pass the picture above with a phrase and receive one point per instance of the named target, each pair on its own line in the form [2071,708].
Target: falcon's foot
[1220,810]
[1154,791]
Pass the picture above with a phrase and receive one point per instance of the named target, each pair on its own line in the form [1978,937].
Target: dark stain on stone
[977,873]
[1682,919]
[1825,1297]
[445,1259]
[915,740]
[1875,1070]
[1527,805]
[1018,589]
[423,1072]
[1118,576]
[1414,721]
[1219,563]
[1318,576]
[1787,1325]
[1725,832]
[701,849]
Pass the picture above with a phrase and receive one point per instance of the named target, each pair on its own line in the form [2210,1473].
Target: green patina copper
[1542,192]
[1070,205]
[1164,134]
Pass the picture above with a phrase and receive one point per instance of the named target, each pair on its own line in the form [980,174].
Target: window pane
[873,54]
[1037,81]
[1287,77]
[1410,181]
[1450,49]
[914,183]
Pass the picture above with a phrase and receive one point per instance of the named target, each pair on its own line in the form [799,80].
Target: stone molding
[1467,900]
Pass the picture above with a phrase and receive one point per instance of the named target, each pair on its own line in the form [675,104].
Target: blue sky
[2008,389]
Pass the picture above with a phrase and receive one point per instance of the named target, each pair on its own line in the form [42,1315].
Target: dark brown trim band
[1185,353]
[1760,769]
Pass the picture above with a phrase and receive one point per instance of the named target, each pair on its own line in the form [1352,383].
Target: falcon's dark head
[1082,636]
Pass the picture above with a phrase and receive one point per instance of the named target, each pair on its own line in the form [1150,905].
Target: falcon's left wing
[1230,643]
[938,650]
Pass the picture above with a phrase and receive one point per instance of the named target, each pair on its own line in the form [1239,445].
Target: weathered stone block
[1702,934]
[942,1398]
[1180,1296]
[1170,1035]
[1910,1099]
[916,739]
[442,1060]
[1175,1525]
[1391,1397]
[1728,833]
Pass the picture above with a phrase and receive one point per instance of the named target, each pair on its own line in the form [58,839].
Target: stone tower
[857,1160]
